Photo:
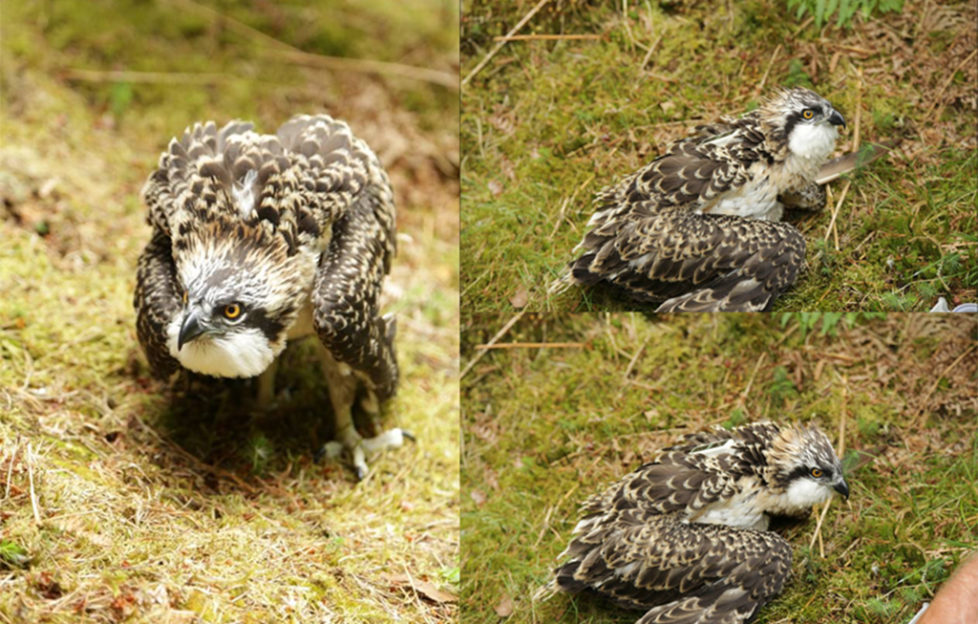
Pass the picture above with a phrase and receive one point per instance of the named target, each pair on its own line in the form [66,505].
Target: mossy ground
[545,428]
[546,124]
[122,500]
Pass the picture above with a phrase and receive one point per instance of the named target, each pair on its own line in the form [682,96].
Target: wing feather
[682,573]
[693,262]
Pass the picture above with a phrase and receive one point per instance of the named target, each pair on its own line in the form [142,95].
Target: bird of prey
[260,239]
[685,537]
[699,228]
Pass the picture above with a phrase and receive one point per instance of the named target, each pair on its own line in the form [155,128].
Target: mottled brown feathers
[683,537]
[304,215]
[697,229]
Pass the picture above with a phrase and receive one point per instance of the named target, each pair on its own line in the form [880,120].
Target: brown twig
[485,60]
[831,230]
[532,345]
[947,83]
[937,382]
[95,75]
[840,450]
[545,37]
[760,87]
[495,339]
[29,456]
[445,79]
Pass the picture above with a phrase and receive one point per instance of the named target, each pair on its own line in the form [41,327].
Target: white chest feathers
[741,511]
[757,199]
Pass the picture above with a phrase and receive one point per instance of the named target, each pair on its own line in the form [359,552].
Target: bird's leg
[266,385]
[342,393]
[810,198]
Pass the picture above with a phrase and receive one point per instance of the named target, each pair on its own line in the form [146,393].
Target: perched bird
[699,228]
[685,537]
[260,239]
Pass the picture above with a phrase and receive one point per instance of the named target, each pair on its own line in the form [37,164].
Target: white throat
[245,352]
[813,141]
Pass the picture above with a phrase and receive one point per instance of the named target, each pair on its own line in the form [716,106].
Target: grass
[545,428]
[548,123]
[126,500]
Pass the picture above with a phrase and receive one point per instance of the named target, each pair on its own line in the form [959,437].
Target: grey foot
[360,448]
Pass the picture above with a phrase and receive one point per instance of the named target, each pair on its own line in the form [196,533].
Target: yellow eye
[808,113]
[816,473]
[185,297]
[232,310]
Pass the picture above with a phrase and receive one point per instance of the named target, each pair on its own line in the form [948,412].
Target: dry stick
[544,37]
[532,345]
[841,451]
[937,382]
[831,230]
[495,339]
[30,480]
[94,75]
[767,71]
[10,469]
[318,60]
[500,44]
[947,83]
[651,50]
[631,363]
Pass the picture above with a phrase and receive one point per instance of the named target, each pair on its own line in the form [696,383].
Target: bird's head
[804,468]
[242,292]
[806,120]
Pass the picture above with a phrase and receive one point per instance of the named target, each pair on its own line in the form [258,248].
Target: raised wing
[341,169]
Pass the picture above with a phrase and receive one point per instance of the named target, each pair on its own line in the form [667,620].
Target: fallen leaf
[495,188]
[478,496]
[505,607]
[520,297]
[424,588]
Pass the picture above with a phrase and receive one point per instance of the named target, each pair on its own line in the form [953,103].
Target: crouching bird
[260,239]
[699,228]
[685,537]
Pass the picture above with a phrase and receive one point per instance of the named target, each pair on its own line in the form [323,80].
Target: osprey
[699,228]
[261,239]
[685,537]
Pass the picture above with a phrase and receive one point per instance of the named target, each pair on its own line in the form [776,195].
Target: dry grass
[122,500]
[547,427]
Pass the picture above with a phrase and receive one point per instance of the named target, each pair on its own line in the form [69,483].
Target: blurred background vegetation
[123,500]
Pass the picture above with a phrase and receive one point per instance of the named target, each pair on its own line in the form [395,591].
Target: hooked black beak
[842,488]
[190,329]
[836,119]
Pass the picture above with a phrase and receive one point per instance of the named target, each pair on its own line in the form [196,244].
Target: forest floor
[123,500]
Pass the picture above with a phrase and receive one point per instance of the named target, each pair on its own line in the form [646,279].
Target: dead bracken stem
[840,451]
[774,55]
[499,45]
[936,102]
[532,345]
[546,37]
[30,479]
[300,57]
[495,339]
[831,230]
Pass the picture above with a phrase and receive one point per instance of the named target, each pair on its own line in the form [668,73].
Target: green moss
[156,501]
[547,124]
[545,428]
